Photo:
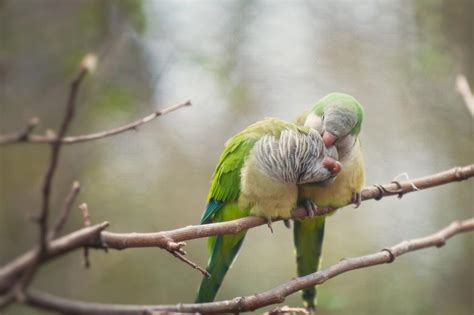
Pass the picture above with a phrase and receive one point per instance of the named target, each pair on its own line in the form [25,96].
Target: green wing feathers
[223,250]
[308,238]
[226,179]
[223,206]
[223,200]
[225,186]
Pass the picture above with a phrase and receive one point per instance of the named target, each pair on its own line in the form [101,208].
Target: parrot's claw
[269,224]
[356,199]
[310,207]
[287,223]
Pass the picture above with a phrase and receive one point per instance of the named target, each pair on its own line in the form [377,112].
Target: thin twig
[55,151]
[190,263]
[22,282]
[7,139]
[172,238]
[21,136]
[455,174]
[85,214]
[249,303]
[43,217]
[87,222]
[65,210]
[463,88]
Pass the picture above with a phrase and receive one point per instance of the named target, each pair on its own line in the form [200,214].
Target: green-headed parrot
[257,174]
[338,118]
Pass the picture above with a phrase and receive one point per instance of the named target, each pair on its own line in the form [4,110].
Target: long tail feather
[308,237]
[224,250]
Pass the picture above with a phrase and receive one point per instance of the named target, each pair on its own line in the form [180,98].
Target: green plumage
[336,99]
[308,238]
[223,250]
[309,233]
[223,199]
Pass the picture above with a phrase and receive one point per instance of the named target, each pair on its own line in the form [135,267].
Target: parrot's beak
[332,165]
[328,138]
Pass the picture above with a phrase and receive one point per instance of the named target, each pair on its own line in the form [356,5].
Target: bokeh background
[239,61]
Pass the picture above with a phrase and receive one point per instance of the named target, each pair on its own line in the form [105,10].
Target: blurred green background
[239,61]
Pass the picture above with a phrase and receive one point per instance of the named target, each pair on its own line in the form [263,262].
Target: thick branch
[56,248]
[6,139]
[169,240]
[250,303]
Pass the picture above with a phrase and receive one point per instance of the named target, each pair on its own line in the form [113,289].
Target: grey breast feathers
[294,158]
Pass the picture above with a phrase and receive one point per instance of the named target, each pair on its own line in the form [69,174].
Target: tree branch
[65,210]
[161,239]
[58,247]
[55,151]
[17,290]
[22,135]
[250,303]
[14,138]
[170,240]
[463,88]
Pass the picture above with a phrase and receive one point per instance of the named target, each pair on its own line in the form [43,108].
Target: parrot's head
[338,118]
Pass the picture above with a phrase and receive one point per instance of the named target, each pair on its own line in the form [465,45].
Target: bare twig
[55,150]
[462,86]
[87,222]
[401,188]
[85,214]
[60,246]
[65,210]
[190,263]
[43,217]
[22,281]
[23,135]
[249,303]
[93,136]
[171,239]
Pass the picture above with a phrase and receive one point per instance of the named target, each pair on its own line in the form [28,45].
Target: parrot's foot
[385,191]
[400,191]
[356,199]
[287,223]
[310,207]
[269,224]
